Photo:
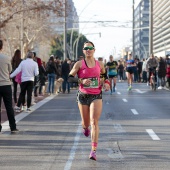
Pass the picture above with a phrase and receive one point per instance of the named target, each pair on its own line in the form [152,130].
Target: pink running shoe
[86,132]
[93,155]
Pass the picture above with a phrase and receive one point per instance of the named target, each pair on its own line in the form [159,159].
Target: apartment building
[141,32]
[161,27]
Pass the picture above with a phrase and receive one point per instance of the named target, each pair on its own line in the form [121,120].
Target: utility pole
[133,27]
[65,33]
[151,28]
[22,30]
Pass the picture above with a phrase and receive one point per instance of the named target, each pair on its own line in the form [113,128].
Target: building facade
[161,27]
[141,29]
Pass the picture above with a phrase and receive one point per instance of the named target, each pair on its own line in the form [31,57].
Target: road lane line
[139,91]
[74,148]
[152,134]
[134,111]
[124,100]
[118,93]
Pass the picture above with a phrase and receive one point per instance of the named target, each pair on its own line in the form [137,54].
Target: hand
[86,82]
[106,86]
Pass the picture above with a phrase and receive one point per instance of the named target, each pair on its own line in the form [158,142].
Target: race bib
[94,83]
[113,72]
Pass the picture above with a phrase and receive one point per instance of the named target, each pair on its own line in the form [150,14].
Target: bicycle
[153,78]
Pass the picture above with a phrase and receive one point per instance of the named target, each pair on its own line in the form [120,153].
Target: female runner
[89,96]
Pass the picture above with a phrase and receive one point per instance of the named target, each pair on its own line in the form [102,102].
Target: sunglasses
[88,48]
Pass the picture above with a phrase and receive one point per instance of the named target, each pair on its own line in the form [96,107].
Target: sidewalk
[4,114]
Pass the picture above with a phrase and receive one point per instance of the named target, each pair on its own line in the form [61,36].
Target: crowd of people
[139,71]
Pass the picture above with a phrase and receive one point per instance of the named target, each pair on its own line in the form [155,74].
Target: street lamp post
[77,41]
[151,28]
[65,33]
[133,32]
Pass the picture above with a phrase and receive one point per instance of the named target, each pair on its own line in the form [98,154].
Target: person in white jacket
[28,69]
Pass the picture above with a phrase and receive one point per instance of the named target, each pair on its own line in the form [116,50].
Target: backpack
[49,69]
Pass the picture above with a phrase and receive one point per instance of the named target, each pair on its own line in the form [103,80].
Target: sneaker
[23,108]
[92,155]
[160,87]
[86,132]
[17,109]
[28,110]
[14,131]
[129,88]
[165,88]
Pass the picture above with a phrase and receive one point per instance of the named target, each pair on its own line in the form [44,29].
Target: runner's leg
[95,112]
[85,116]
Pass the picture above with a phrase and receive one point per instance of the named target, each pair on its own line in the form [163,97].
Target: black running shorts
[87,99]
[130,70]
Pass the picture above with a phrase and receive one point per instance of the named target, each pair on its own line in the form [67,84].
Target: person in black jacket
[51,73]
[161,73]
[65,70]
[16,60]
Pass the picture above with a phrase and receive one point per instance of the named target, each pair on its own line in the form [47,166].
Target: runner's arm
[73,72]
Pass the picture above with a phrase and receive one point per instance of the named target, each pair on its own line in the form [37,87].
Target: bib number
[94,83]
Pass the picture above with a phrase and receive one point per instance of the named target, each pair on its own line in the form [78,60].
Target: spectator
[139,69]
[161,73]
[5,89]
[52,72]
[16,60]
[36,78]
[42,76]
[29,69]
[144,72]
[65,72]
[168,74]
[120,71]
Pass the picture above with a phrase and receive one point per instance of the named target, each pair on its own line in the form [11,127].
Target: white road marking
[152,134]
[139,91]
[73,149]
[124,100]
[22,115]
[119,128]
[118,93]
[134,112]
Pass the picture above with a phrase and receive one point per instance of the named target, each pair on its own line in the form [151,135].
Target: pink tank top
[92,73]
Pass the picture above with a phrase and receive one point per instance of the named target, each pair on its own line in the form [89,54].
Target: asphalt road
[134,134]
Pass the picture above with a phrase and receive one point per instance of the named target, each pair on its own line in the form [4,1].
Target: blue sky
[112,39]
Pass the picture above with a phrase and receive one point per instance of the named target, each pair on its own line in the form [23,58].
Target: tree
[28,22]
[57,45]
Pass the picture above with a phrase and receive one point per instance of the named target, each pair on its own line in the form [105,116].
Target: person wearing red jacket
[168,74]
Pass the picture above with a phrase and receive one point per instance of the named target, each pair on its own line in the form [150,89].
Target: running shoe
[86,132]
[93,155]
[129,88]
[17,109]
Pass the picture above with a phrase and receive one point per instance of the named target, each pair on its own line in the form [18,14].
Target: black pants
[6,94]
[26,86]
